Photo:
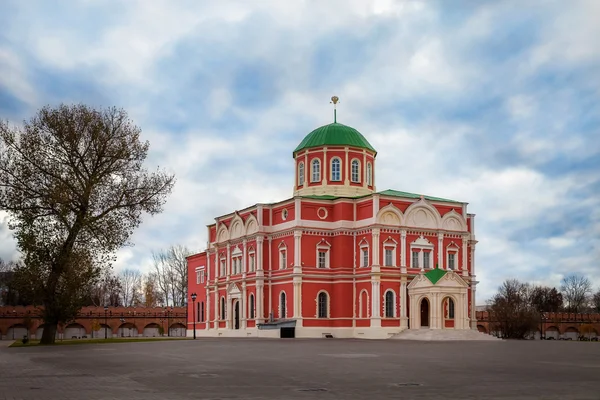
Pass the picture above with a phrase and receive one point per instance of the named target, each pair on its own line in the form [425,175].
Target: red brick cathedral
[338,258]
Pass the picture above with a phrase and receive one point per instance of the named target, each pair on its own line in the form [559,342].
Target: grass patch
[31,343]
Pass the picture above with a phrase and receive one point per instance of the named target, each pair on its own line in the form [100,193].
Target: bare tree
[74,184]
[512,311]
[131,287]
[106,291]
[576,290]
[596,301]
[170,268]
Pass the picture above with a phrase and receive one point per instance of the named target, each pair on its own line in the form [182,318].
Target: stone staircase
[443,335]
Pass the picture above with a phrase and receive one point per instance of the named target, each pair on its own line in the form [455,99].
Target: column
[403,251]
[441,250]
[364,168]
[244,258]
[217,316]
[228,312]
[207,310]
[228,262]
[347,169]
[375,298]
[464,256]
[243,302]
[403,304]
[307,170]
[375,246]
[465,311]
[473,292]
[259,253]
[260,302]
[324,168]
[297,243]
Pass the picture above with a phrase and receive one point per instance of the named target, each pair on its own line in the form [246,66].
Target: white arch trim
[390,215]
[453,221]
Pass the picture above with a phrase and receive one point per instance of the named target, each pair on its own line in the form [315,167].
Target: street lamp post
[194,312]
[105,323]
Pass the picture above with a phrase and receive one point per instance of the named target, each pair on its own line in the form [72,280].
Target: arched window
[355,171]
[369,174]
[301,174]
[389,304]
[316,170]
[336,170]
[222,307]
[282,310]
[450,309]
[322,300]
[251,303]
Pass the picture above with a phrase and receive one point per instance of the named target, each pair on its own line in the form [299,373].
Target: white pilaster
[464,256]
[403,251]
[244,257]
[347,169]
[207,310]
[228,261]
[324,167]
[375,297]
[217,315]
[440,250]
[243,305]
[259,253]
[297,249]
[376,247]
[403,304]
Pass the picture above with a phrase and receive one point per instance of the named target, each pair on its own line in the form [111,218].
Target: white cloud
[148,57]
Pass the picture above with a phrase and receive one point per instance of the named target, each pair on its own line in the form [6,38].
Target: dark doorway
[237,315]
[425,313]
[287,333]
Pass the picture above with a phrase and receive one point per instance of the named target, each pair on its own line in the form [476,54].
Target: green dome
[335,134]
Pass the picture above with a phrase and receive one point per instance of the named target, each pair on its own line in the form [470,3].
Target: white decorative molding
[422,214]
[390,215]
[328,308]
[237,227]
[322,213]
[453,221]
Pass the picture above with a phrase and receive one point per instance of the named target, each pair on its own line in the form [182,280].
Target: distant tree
[596,301]
[511,310]
[74,184]
[545,299]
[576,290]
[131,287]
[105,291]
[170,269]
[151,294]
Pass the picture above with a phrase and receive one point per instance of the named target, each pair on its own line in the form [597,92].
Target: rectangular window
[200,276]
[251,262]
[282,259]
[222,267]
[365,257]
[389,257]
[451,260]
[197,277]
[322,259]
[415,259]
[426,258]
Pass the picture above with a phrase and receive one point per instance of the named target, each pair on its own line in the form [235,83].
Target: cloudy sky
[493,103]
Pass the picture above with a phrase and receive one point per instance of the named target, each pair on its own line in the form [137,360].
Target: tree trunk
[49,333]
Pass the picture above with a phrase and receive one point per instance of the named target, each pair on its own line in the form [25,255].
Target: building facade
[338,258]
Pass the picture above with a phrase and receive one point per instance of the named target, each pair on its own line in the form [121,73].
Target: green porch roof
[434,275]
[335,134]
[397,193]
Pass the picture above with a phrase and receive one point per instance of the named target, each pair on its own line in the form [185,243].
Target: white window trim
[394,314]
[323,245]
[364,245]
[200,275]
[360,304]
[352,172]
[315,161]
[419,247]
[339,170]
[301,173]
[251,307]
[282,256]
[328,308]
[393,245]
[222,266]
[452,248]
[251,257]
[285,303]
[369,174]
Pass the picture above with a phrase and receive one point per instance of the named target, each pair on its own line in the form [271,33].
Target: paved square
[303,369]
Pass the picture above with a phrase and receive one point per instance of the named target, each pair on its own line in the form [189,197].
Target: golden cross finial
[334,100]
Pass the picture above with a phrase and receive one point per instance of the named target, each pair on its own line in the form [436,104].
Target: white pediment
[450,280]
[422,241]
[233,289]
[420,281]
